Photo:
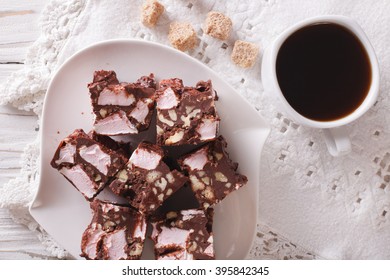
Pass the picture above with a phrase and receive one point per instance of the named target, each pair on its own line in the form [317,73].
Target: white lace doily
[311,205]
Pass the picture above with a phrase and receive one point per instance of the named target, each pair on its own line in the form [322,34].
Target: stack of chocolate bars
[144,175]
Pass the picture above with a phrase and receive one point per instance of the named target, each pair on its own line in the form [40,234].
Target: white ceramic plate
[65,214]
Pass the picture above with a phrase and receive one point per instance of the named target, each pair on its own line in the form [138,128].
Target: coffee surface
[323,71]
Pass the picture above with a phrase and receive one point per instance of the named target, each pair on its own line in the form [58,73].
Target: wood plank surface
[19,29]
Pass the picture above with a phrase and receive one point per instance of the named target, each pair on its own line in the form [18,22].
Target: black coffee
[323,71]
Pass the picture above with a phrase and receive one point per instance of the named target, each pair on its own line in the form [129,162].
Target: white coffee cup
[335,134]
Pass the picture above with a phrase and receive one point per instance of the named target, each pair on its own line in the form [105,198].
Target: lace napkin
[311,204]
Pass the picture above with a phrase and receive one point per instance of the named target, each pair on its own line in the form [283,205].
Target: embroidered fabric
[311,204]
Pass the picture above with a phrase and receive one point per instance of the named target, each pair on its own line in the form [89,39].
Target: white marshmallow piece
[209,250]
[91,247]
[145,159]
[190,213]
[207,129]
[80,179]
[140,229]
[197,160]
[117,97]
[140,111]
[116,244]
[106,207]
[173,237]
[167,100]
[66,154]
[95,156]
[115,124]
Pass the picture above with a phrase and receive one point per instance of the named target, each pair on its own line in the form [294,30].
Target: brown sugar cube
[182,36]
[218,25]
[244,53]
[151,11]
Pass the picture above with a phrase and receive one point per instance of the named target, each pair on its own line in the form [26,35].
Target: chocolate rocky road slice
[124,149]
[86,163]
[146,181]
[116,232]
[121,108]
[213,175]
[184,235]
[186,115]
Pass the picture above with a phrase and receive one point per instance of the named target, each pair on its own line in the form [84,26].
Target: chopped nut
[219,176]
[208,193]
[189,109]
[122,175]
[169,192]
[108,224]
[218,156]
[160,131]
[137,250]
[206,180]
[160,197]
[206,205]
[164,120]
[172,115]
[193,247]
[189,117]
[103,113]
[196,184]
[175,138]
[153,176]
[228,185]
[201,173]
[171,215]
[170,178]
[162,184]
[97,178]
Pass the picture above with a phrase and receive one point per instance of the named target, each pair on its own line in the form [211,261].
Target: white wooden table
[18,30]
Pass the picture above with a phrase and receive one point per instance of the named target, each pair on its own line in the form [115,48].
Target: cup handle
[337,141]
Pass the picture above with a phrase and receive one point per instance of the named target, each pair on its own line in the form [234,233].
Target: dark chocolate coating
[143,89]
[199,226]
[218,177]
[146,189]
[194,105]
[80,139]
[107,219]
